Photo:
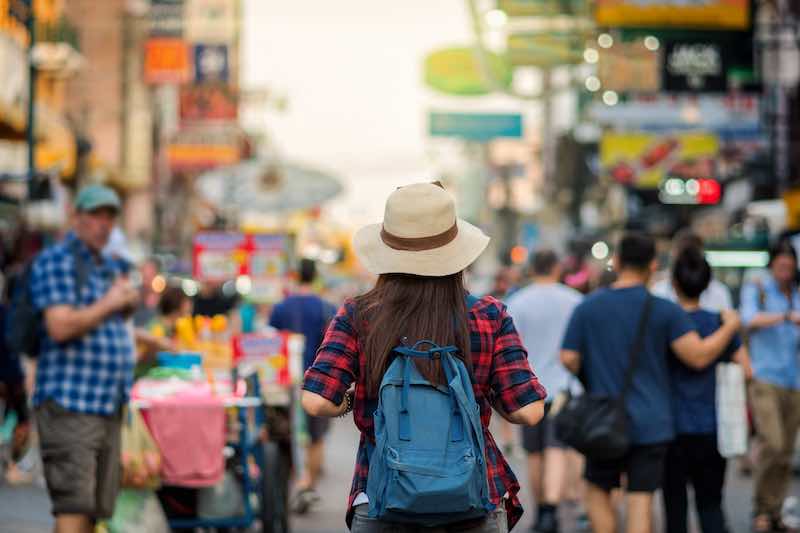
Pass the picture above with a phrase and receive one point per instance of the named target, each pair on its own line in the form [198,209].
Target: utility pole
[30,22]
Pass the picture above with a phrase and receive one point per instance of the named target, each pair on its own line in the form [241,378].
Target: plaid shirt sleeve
[513,383]
[336,365]
[52,280]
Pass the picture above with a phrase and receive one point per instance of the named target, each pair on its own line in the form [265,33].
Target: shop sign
[729,14]
[211,63]
[208,102]
[457,71]
[697,66]
[210,21]
[222,256]
[629,66]
[545,49]
[475,126]
[268,353]
[646,160]
[166,18]
[196,150]
[167,61]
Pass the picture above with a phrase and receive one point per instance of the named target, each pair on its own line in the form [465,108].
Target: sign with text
[208,103]
[475,126]
[203,149]
[629,66]
[210,21]
[166,18]
[166,60]
[729,14]
[695,66]
[222,256]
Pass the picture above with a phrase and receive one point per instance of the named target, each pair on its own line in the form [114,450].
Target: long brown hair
[405,307]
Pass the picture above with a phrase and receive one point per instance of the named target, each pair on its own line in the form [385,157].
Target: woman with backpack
[422,363]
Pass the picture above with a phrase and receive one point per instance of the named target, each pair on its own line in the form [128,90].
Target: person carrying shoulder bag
[422,363]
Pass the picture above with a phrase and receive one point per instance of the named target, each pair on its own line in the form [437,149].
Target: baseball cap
[93,197]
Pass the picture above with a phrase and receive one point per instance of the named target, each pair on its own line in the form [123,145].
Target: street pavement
[26,509]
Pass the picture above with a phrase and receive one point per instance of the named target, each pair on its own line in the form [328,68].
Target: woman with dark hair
[419,253]
[692,458]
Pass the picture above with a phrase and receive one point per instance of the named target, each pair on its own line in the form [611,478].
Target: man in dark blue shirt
[596,346]
[306,313]
[693,456]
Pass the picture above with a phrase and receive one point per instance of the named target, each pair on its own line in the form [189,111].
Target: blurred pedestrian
[599,347]
[419,253]
[85,367]
[541,312]
[716,297]
[304,312]
[160,333]
[770,309]
[693,457]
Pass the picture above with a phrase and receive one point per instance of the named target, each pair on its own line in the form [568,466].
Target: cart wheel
[274,491]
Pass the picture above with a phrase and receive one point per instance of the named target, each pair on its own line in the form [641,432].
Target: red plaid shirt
[500,368]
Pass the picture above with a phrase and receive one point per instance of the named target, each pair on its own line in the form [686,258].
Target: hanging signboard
[729,14]
[210,21]
[208,103]
[166,60]
[644,160]
[480,127]
[222,256]
[211,63]
[695,66]
[545,49]
[457,71]
[538,8]
[629,66]
[166,18]
[203,149]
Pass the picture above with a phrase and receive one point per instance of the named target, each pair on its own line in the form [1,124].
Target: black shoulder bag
[597,426]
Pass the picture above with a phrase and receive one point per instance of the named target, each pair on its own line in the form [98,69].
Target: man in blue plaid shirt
[85,366]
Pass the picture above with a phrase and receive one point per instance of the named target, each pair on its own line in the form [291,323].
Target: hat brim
[455,256]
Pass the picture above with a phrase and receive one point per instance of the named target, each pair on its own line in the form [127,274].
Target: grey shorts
[496,522]
[538,438]
[317,427]
[81,456]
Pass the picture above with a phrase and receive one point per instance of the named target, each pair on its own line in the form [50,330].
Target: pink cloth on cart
[190,432]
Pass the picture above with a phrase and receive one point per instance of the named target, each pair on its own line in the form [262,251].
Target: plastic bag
[141,458]
[732,427]
[223,500]
[138,511]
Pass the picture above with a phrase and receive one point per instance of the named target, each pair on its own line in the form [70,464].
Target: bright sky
[352,73]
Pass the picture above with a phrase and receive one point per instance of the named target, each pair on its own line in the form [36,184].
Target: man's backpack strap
[81,272]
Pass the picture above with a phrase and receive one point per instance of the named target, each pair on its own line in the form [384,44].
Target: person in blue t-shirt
[306,313]
[597,345]
[693,457]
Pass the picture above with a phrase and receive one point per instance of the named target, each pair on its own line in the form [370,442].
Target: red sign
[208,102]
[222,256]
[167,60]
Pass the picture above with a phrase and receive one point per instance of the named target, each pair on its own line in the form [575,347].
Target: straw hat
[420,234]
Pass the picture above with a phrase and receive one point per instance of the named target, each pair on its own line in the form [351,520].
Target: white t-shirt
[541,313]
[717,297]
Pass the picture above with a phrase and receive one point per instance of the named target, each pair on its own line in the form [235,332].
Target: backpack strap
[81,272]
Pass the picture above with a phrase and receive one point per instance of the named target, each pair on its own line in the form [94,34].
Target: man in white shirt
[717,297]
[541,312]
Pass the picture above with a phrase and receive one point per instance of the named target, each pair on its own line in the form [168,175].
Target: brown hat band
[418,244]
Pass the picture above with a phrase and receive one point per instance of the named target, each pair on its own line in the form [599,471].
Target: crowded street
[429,266]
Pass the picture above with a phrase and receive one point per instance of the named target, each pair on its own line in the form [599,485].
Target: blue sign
[475,126]
[211,63]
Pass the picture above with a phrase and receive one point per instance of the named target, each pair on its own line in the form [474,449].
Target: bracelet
[348,399]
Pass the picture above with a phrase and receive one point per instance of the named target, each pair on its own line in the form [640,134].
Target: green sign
[545,49]
[457,71]
[539,8]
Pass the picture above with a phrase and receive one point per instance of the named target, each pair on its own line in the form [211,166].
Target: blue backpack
[427,466]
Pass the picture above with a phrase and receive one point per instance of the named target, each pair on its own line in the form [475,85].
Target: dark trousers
[694,459]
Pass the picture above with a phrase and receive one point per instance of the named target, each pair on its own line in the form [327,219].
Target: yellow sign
[643,160]
[729,14]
